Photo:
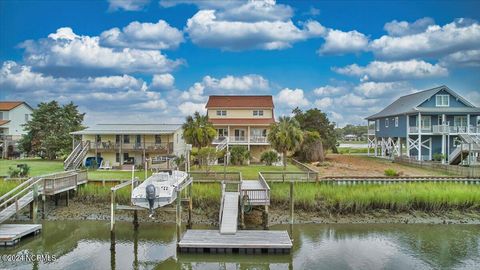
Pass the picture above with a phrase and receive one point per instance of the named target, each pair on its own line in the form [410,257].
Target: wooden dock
[243,242]
[229,221]
[10,234]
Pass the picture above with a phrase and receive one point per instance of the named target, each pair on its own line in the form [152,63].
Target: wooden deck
[229,220]
[244,242]
[10,234]
[256,192]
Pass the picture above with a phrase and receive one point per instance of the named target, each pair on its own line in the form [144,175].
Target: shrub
[206,156]
[269,157]
[438,156]
[391,173]
[21,170]
[238,155]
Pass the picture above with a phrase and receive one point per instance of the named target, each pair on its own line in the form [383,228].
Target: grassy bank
[115,175]
[6,186]
[335,199]
[37,166]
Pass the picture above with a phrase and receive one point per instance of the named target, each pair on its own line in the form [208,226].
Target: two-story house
[426,123]
[242,120]
[127,144]
[13,115]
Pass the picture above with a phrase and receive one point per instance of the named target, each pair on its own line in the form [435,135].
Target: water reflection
[89,245]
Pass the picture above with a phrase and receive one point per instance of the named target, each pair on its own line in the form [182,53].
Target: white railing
[238,139]
[445,129]
[258,139]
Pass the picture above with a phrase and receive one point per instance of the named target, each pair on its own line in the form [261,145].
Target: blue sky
[157,61]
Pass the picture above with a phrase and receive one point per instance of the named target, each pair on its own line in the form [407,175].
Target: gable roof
[99,129]
[410,103]
[240,102]
[10,105]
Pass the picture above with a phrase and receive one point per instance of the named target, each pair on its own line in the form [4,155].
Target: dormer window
[442,100]
[221,113]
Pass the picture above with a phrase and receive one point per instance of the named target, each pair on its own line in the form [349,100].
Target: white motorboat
[159,189]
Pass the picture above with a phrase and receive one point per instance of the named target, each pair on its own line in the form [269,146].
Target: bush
[269,157]
[206,156]
[238,155]
[21,170]
[438,156]
[391,173]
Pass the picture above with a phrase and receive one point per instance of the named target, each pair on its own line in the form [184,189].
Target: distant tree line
[359,131]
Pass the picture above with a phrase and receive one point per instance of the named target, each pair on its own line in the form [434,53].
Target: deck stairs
[75,159]
[470,143]
[222,145]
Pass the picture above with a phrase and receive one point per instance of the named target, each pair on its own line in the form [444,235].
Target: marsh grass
[394,197]
[332,198]
[6,186]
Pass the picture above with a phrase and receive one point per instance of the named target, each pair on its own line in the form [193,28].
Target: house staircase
[470,144]
[222,145]
[75,159]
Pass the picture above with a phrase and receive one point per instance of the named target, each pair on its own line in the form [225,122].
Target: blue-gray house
[426,123]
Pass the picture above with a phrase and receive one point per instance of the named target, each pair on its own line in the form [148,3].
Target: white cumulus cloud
[339,42]
[402,28]
[151,36]
[163,81]
[329,90]
[66,52]
[291,98]
[189,108]
[394,71]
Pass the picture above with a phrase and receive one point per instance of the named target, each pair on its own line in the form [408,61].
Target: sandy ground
[79,210]
[351,165]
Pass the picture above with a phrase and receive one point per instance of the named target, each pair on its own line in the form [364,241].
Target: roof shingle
[10,105]
[240,102]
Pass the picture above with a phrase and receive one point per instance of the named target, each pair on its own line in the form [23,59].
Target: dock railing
[290,176]
[260,196]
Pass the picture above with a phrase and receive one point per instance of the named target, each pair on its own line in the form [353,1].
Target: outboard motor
[150,194]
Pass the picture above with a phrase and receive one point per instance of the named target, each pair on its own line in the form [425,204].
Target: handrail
[72,155]
[123,184]
[16,188]
[263,181]
[21,192]
[222,201]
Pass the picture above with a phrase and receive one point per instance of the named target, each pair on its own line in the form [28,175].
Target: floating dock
[10,234]
[242,242]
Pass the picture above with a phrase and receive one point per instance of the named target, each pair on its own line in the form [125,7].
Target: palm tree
[285,136]
[197,131]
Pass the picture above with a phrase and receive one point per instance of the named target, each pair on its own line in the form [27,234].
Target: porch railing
[132,146]
[440,129]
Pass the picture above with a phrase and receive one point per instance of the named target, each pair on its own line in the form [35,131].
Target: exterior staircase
[470,143]
[222,145]
[75,159]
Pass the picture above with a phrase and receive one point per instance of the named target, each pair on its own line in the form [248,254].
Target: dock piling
[291,209]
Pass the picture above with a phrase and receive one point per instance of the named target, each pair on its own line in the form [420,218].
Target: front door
[239,135]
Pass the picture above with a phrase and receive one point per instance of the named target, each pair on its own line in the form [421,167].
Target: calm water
[87,245]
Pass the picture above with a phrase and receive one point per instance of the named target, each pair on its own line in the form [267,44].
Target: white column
[408,135]
[468,123]
[430,145]
[443,137]
[399,143]
[419,136]
[375,150]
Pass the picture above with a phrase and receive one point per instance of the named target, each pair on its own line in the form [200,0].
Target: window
[1,116]
[221,113]
[117,139]
[426,121]
[442,100]
[26,117]
[386,122]
[126,138]
[396,121]
[460,121]
[158,139]
[478,121]
[222,132]
[138,140]
[377,125]
[98,138]
[117,157]
[440,120]
[258,113]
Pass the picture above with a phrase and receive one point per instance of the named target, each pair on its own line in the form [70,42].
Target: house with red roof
[242,120]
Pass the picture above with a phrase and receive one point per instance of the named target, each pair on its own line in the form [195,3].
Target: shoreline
[78,210]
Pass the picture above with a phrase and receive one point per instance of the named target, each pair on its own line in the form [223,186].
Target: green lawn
[251,171]
[37,166]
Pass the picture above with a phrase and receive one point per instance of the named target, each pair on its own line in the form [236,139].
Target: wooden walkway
[10,234]
[256,192]
[229,220]
[243,242]
[12,209]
